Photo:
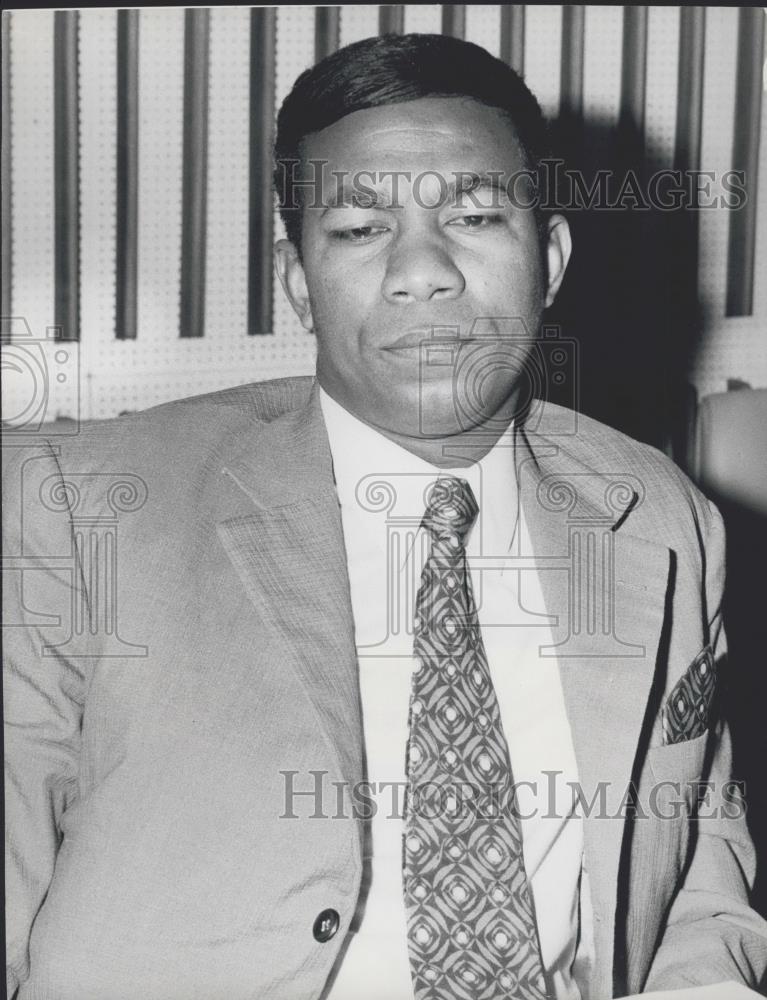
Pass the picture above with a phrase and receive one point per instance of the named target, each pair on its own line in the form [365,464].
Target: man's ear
[290,271]
[558,251]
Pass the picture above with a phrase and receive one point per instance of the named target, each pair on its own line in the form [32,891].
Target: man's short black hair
[392,69]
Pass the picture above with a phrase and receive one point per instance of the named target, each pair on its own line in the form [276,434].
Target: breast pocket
[688,709]
[678,775]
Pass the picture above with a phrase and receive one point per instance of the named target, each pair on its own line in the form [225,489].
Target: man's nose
[419,269]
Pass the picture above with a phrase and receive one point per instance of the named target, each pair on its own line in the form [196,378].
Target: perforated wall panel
[543,38]
[425,17]
[602,42]
[483,26]
[295,52]
[358,21]
[226,292]
[159,365]
[711,362]
[661,92]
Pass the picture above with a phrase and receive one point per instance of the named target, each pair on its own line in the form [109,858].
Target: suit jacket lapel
[288,549]
[606,590]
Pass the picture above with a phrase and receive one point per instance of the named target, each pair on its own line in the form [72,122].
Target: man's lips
[422,338]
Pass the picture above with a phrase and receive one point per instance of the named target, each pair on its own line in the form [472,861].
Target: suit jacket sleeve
[42,692]
[711,934]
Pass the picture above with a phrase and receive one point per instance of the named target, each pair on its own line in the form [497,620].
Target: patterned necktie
[471,931]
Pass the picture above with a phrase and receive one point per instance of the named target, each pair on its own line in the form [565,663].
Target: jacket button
[326,925]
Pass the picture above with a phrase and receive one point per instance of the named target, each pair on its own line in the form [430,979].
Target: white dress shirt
[381,489]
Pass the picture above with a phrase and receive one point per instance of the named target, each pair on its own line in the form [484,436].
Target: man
[186,806]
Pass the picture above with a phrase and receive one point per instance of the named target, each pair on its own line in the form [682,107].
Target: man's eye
[358,234]
[476,221]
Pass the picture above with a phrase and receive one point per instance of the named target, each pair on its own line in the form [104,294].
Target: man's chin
[445,412]
[426,410]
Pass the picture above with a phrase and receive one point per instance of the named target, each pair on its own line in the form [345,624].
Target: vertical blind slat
[327,31]
[5,182]
[66,149]
[571,71]
[391,19]
[741,248]
[689,107]
[634,72]
[689,122]
[742,233]
[454,19]
[126,221]
[195,172]
[513,36]
[263,37]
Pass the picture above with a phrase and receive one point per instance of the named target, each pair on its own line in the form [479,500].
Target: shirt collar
[364,457]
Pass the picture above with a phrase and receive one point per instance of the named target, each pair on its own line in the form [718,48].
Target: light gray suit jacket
[179,632]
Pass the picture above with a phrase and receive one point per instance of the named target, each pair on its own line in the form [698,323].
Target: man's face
[376,282]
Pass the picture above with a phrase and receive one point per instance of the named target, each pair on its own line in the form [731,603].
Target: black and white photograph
[384,477]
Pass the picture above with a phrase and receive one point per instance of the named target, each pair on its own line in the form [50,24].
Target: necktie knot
[451,508]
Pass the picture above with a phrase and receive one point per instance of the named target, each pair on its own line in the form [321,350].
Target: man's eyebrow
[369,190]
[469,182]
[358,191]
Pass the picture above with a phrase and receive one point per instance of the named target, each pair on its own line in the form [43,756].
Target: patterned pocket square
[687,710]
